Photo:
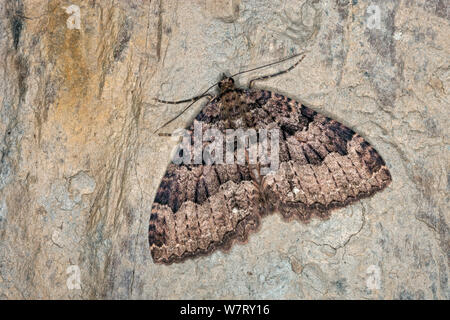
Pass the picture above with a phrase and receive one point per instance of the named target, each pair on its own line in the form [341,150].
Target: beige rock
[79,163]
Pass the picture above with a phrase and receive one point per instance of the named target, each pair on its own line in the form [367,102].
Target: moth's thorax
[234,108]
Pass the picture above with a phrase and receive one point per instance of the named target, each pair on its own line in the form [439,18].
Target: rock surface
[79,163]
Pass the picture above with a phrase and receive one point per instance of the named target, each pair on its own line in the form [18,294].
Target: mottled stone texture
[79,164]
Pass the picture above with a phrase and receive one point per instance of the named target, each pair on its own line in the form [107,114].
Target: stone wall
[80,164]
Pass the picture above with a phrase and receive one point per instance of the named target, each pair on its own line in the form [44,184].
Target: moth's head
[226,83]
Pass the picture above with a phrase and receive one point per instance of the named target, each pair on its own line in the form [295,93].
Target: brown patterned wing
[323,164]
[200,208]
[200,228]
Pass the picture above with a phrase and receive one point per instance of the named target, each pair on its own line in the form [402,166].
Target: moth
[203,206]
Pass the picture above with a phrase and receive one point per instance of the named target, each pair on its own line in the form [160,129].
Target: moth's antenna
[206,91]
[268,65]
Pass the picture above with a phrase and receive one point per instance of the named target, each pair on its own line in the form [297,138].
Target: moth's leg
[183,101]
[168,134]
[193,100]
[250,85]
